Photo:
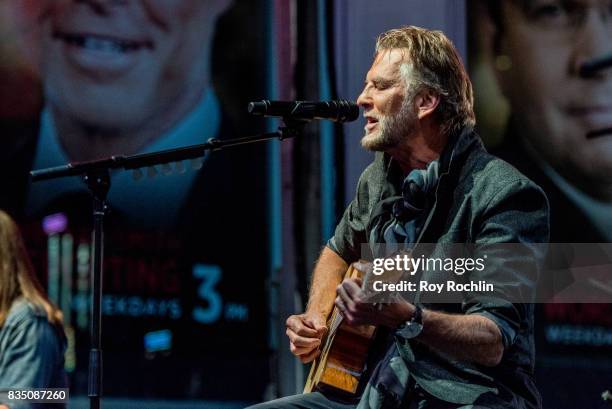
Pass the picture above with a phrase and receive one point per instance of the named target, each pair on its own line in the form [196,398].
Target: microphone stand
[292,129]
[96,175]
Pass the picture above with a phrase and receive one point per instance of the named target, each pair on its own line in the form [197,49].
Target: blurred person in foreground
[32,340]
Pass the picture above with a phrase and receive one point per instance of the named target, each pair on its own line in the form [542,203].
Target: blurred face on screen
[567,118]
[124,64]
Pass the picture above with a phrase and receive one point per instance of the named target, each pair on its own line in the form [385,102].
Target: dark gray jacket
[481,200]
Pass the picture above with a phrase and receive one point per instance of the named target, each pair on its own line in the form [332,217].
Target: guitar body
[344,353]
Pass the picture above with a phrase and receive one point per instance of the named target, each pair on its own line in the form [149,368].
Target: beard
[393,129]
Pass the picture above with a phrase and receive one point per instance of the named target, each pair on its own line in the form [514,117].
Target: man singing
[431,179]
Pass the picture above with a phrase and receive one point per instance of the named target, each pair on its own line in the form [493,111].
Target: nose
[593,42]
[364,99]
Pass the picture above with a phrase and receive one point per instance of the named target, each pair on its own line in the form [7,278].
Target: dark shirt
[481,200]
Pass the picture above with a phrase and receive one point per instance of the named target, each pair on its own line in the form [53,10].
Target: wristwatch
[411,329]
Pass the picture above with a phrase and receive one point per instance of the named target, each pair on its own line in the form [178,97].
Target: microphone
[337,111]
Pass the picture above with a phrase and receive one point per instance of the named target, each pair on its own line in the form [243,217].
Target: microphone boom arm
[292,129]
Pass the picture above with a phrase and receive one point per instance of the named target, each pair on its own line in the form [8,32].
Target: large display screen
[185,254]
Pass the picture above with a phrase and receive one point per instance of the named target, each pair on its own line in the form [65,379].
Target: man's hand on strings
[357,310]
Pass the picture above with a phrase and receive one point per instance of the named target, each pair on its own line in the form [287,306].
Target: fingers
[344,301]
[302,342]
[351,297]
[352,315]
[340,304]
[304,336]
[306,358]
[352,286]
[299,345]
[297,325]
[318,324]
[351,303]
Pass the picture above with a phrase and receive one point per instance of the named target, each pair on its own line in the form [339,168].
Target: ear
[426,103]
[493,47]
[501,70]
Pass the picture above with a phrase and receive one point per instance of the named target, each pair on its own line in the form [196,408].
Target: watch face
[410,330]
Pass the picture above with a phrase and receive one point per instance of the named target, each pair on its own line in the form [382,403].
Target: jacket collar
[452,159]
[459,144]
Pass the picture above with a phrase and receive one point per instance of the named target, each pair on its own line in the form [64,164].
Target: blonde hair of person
[17,278]
[431,61]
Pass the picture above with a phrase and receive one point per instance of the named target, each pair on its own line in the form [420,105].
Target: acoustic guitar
[342,363]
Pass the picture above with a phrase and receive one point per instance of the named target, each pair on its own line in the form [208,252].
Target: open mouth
[100,43]
[370,121]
